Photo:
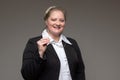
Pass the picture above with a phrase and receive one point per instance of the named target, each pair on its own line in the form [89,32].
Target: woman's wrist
[41,54]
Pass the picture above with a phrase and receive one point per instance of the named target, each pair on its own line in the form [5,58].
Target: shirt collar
[62,37]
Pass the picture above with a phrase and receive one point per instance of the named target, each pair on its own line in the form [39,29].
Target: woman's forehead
[57,14]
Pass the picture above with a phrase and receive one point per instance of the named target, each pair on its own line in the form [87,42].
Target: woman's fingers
[43,41]
[42,44]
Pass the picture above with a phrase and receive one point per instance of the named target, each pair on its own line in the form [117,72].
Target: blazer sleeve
[32,64]
[80,74]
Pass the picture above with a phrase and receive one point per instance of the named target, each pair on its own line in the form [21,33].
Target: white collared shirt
[59,48]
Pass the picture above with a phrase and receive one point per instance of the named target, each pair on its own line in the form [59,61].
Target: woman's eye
[53,19]
[62,20]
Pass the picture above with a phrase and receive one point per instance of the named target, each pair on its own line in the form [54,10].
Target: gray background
[95,24]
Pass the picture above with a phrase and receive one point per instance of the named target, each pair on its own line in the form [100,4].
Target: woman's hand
[42,45]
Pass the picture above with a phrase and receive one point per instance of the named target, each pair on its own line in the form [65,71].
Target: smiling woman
[52,55]
[55,23]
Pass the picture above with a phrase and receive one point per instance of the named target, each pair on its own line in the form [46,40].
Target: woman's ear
[46,22]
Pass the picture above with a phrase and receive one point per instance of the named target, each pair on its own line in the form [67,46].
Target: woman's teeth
[57,27]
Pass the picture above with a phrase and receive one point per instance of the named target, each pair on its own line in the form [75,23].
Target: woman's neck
[55,37]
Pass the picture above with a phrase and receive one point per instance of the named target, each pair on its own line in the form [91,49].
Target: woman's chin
[57,33]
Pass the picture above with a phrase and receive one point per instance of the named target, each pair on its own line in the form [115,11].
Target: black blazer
[36,68]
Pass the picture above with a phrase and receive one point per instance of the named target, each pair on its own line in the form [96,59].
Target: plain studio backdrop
[95,24]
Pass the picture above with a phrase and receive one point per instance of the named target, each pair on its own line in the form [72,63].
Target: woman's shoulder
[36,38]
[71,39]
[74,43]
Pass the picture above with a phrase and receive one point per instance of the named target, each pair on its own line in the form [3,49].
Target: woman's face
[55,22]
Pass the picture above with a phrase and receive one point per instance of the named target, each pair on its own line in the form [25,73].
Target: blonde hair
[50,9]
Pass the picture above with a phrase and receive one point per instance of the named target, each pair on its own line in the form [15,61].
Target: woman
[52,56]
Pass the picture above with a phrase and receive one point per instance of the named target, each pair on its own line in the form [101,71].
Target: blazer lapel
[68,51]
[52,50]
[71,56]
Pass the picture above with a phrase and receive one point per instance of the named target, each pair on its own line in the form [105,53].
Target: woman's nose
[58,23]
